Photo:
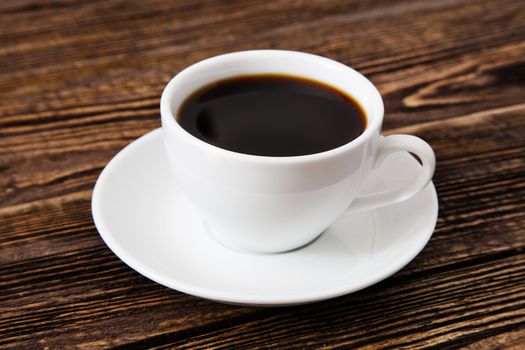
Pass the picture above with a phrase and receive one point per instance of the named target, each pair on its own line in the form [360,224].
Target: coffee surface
[272,115]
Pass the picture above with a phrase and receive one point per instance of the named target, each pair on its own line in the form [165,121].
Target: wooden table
[80,80]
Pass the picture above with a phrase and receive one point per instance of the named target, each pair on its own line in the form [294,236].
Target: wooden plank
[41,256]
[65,75]
[80,80]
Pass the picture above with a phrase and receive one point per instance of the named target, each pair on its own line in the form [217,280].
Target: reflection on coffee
[272,115]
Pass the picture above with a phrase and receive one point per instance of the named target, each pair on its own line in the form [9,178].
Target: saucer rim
[253,299]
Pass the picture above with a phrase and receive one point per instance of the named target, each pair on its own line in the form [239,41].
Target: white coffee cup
[275,204]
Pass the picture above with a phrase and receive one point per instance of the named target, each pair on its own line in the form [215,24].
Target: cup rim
[169,120]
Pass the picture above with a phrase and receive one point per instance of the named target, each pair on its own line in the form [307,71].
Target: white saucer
[148,223]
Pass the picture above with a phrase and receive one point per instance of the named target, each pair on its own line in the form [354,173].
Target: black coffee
[272,115]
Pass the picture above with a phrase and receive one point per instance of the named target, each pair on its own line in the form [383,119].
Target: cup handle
[388,145]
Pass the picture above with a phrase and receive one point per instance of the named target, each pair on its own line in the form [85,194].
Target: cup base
[216,236]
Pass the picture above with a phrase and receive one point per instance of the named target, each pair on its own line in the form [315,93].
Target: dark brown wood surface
[81,79]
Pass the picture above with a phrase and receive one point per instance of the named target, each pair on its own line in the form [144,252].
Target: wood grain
[80,80]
